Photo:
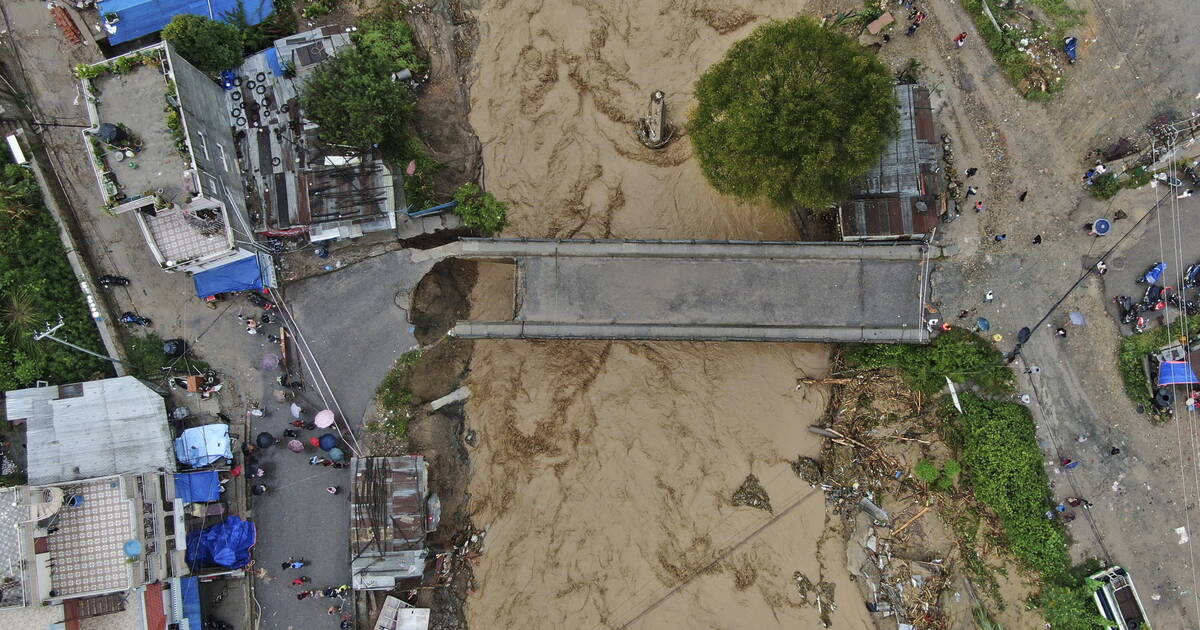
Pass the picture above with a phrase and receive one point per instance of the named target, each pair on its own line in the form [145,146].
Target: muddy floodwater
[605,472]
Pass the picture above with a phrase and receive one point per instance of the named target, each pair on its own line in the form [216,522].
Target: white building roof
[93,429]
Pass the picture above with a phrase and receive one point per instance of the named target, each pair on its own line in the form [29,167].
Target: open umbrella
[983,324]
[324,418]
[328,441]
[1023,335]
[1077,318]
[296,446]
[336,454]
[264,440]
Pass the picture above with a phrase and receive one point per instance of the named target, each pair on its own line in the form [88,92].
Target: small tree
[793,113]
[480,210]
[355,102]
[209,45]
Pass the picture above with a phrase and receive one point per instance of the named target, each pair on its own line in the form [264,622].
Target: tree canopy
[793,114]
[355,101]
[480,210]
[209,45]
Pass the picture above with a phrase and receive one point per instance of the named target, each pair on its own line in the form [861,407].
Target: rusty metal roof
[899,196]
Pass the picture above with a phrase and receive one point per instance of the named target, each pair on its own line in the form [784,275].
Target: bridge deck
[710,290]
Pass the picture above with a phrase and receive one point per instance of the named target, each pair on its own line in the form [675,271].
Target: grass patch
[1033,81]
[958,354]
[395,397]
[145,353]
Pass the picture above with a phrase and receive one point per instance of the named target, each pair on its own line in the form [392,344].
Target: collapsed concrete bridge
[706,290]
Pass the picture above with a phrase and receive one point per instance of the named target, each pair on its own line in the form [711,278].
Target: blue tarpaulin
[189,592]
[200,446]
[198,487]
[243,274]
[226,544]
[138,18]
[1176,373]
[273,61]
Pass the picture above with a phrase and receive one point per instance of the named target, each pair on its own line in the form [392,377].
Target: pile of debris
[859,465]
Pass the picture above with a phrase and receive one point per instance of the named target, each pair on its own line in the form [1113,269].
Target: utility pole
[49,334]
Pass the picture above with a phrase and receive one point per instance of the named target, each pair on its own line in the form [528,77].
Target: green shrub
[84,71]
[480,210]
[927,471]
[1105,186]
[1003,465]
[1072,607]
[392,40]
[958,354]
[1137,178]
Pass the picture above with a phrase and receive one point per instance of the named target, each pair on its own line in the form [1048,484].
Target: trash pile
[752,494]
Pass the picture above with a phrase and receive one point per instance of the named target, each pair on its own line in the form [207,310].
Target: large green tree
[209,45]
[793,113]
[355,102]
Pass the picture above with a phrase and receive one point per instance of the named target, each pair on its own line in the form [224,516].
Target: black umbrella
[264,440]
[1023,335]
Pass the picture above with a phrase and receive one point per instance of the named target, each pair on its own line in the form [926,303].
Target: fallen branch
[912,520]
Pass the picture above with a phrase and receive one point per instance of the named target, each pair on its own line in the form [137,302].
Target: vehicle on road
[1118,600]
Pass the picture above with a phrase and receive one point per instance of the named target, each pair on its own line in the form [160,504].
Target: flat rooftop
[136,99]
[87,550]
[12,580]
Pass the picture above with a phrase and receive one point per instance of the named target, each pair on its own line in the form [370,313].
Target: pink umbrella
[324,418]
[295,446]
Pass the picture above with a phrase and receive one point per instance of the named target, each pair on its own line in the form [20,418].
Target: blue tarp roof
[200,446]
[225,544]
[1176,373]
[198,487]
[139,18]
[240,275]
[189,588]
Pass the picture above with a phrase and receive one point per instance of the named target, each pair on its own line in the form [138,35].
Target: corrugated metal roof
[898,196]
[138,18]
[117,426]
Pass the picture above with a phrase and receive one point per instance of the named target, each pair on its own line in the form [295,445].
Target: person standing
[971,190]
[971,171]
[1037,240]
[1000,238]
[960,40]
[989,296]
[978,206]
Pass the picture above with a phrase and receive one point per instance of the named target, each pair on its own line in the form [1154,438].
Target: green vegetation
[395,397]
[958,354]
[792,114]
[942,479]
[1003,464]
[1071,607]
[353,97]
[1062,14]
[1036,76]
[391,40]
[318,8]
[281,23]
[210,45]
[480,210]
[36,286]
[1135,347]
[1107,185]
[419,190]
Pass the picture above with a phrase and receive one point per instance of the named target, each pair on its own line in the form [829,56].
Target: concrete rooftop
[137,98]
